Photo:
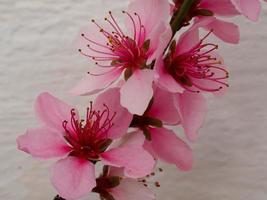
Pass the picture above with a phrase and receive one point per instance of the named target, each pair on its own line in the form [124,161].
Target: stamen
[134,25]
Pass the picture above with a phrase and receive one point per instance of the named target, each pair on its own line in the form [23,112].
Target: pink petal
[170,148]
[226,31]
[43,142]
[130,189]
[165,80]
[163,107]
[122,117]
[100,80]
[151,12]
[136,161]
[192,108]
[73,177]
[52,111]
[159,39]
[115,171]
[136,138]
[137,91]
[219,7]
[250,8]
[187,41]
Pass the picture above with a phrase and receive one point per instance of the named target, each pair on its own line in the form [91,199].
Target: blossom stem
[177,22]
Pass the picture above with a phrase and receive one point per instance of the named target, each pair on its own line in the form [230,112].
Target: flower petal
[151,12]
[170,148]
[43,142]
[192,108]
[122,117]
[219,7]
[163,107]
[99,80]
[137,91]
[159,39]
[226,31]
[52,111]
[250,8]
[73,177]
[136,161]
[130,189]
[187,41]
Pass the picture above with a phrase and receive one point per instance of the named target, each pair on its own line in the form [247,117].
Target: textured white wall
[37,55]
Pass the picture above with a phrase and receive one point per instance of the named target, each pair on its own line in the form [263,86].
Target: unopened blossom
[207,14]
[250,8]
[112,184]
[80,143]
[160,141]
[118,52]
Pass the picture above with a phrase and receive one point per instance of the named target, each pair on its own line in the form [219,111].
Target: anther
[157,184]
[93,20]
[82,35]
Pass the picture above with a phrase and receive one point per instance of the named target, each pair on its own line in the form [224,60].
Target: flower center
[145,121]
[88,138]
[118,49]
[198,69]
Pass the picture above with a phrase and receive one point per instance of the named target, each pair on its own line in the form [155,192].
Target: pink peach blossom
[81,143]
[116,52]
[192,65]
[112,183]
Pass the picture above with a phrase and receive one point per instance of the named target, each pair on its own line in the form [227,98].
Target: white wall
[37,55]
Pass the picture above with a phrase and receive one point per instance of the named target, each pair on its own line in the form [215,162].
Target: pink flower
[81,143]
[163,143]
[188,69]
[116,52]
[207,13]
[192,65]
[113,185]
[250,8]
